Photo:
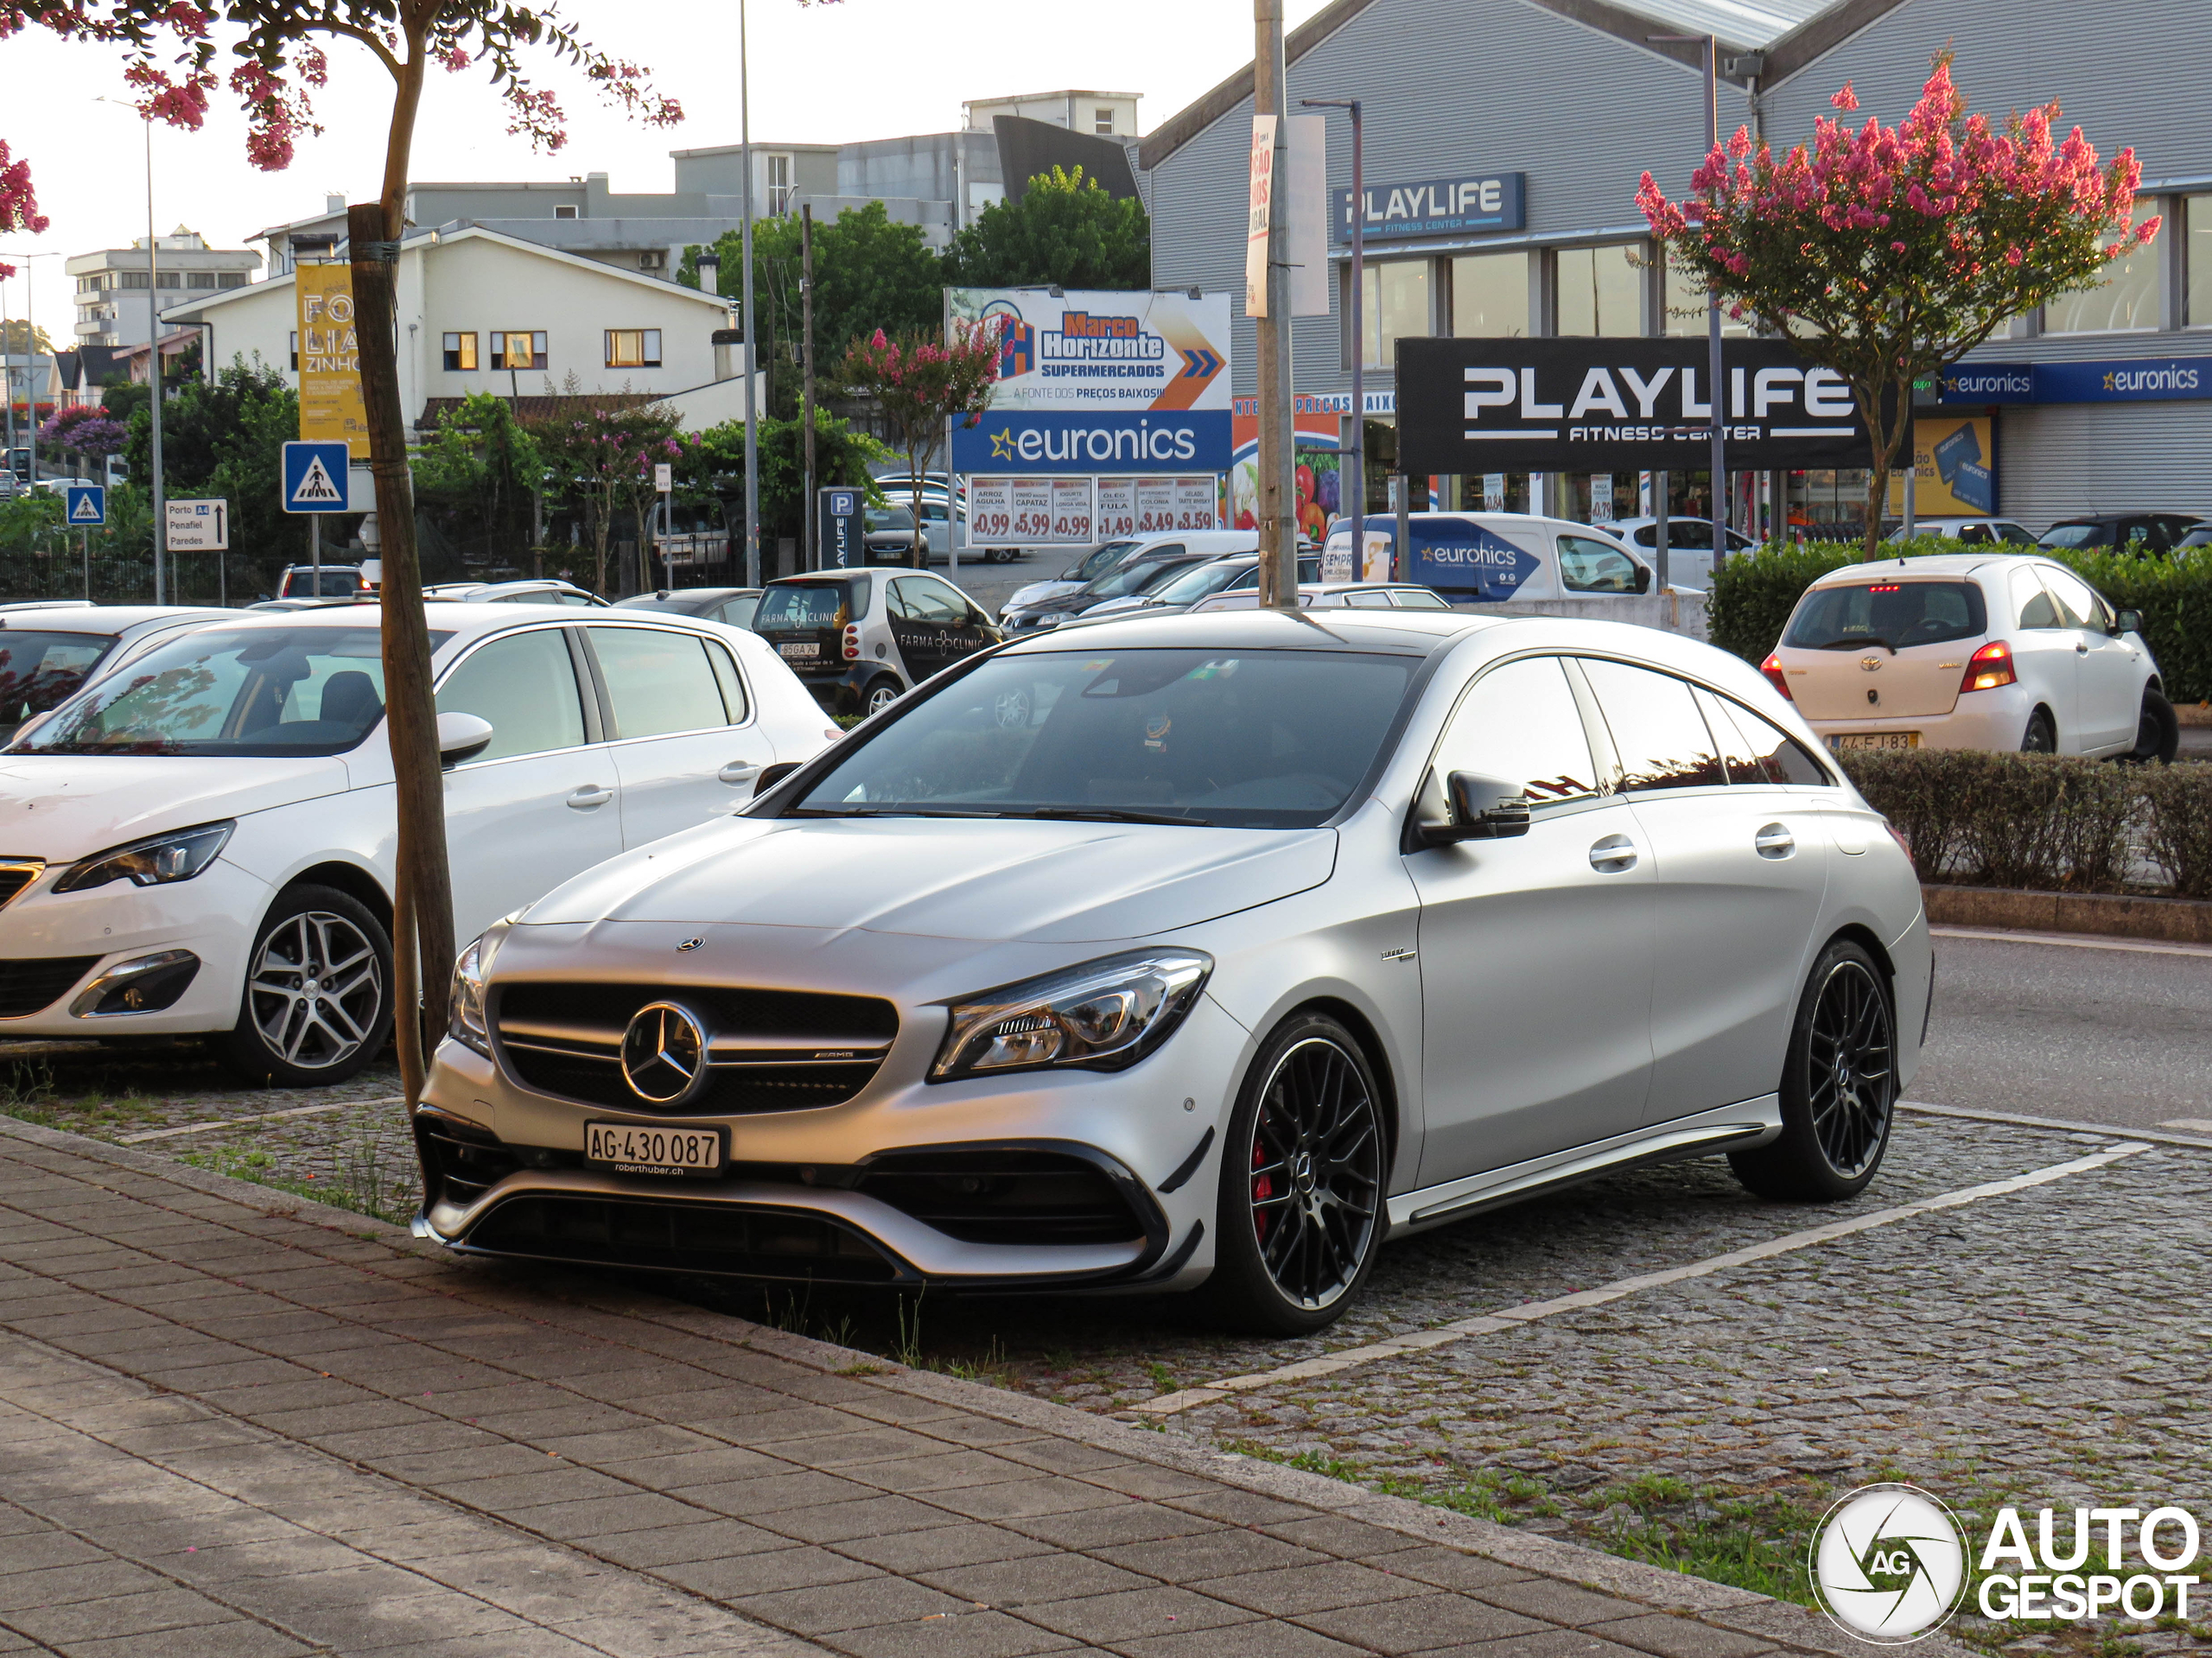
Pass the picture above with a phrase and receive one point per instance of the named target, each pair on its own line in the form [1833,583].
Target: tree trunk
[422,940]
[1886,427]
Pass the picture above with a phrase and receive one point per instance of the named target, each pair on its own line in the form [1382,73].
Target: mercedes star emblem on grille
[665,1053]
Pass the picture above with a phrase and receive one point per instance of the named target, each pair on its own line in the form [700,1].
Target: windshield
[1134,578]
[39,671]
[255,691]
[2073,535]
[1193,585]
[1269,740]
[1898,615]
[890,518]
[811,604]
[337,583]
[1098,561]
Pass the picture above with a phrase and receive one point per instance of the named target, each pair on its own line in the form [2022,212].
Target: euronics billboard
[1101,381]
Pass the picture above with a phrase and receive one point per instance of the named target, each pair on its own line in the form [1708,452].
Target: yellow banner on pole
[330,359]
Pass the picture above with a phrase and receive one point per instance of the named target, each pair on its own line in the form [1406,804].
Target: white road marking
[261,1116]
[1509,1318]
[2070,941]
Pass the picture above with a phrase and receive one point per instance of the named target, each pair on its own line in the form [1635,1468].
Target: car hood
[1015,879]
[1038,593]
[61,807]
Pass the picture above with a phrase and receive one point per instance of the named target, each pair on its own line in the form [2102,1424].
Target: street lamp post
[744,237]
[1358,326]
[1716,389]
[153,354]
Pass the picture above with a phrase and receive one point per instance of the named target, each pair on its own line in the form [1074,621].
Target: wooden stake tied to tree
[279,63]
[922,385]
[1891,252]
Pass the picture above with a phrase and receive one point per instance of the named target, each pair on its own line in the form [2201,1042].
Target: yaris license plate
[630,1148]
[809,649]
[1876,740]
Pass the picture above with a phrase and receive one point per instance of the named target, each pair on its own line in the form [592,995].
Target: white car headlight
[1053,620]
[154,863]
[1102,1015]
[465,1020]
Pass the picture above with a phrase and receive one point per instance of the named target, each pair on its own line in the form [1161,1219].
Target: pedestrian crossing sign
[84,505]
[315,478]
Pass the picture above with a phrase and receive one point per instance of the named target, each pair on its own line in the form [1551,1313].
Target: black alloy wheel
[1301,1190]
[1839,1086]
[2042,735]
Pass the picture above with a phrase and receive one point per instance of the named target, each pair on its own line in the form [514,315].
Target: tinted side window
[525,685]
[658,682]
[1659,737]
[731,681]
[1519,722]
[1757,750]
[2077,601]
[1587,566]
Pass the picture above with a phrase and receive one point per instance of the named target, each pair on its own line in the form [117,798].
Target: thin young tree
[1891,252]
[278,63]
[923,384]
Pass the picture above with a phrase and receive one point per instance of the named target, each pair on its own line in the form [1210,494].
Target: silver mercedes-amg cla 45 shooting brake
[1206,950]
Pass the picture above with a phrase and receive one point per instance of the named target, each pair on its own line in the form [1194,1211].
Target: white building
[112,284]
[1107,115]
[482,311]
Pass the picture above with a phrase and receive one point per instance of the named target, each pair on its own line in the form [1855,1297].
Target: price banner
[1197,504]
[1033,509]
[1116,512]
[1155,504]
[1071,509]
[990,508]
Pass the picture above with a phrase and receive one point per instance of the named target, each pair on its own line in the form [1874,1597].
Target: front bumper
[823,1193]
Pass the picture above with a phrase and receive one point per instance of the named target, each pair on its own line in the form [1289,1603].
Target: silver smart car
[1210,949]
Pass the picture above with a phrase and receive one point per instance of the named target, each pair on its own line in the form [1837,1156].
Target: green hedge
[2043,822]
[1754,593]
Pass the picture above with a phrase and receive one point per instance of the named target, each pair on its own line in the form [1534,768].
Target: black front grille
[986,1195]
[566,1039]
[727,1238]
[27,987]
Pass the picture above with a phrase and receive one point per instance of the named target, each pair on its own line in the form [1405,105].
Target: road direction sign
[198,526]
[85,505]
[314,477]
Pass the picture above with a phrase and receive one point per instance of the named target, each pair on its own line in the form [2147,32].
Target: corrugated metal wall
[2055,461]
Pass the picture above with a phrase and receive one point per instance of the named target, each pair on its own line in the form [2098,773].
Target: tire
[1297,1234]
[1839,1086]
[2157,732]
[291,1036]
[881,695]
[2042,736]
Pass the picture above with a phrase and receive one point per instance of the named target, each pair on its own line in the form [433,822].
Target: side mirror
[772,775]
[462,737]
[1643,578]
[2128,621]
[1475,807]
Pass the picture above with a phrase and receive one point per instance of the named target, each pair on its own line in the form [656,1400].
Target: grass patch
[361,1180]
[1754,1542]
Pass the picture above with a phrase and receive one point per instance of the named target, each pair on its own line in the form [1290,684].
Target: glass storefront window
[2197,218]
[1397,306]
[1600,290]
[1686,305]
[1489,295]
[2127,298]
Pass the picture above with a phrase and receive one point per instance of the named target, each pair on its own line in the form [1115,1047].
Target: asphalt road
[2075,1030]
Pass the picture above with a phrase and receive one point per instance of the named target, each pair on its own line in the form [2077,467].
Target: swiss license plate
[809,649]
[633,1148]
[1877,740]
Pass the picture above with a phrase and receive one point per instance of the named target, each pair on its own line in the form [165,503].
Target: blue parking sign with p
[316,477]
[84,505]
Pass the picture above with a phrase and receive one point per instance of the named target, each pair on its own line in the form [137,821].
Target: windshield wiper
[889,811]
[1108,814]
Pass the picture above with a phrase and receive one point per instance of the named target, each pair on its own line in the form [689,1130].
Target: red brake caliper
[1262,1189]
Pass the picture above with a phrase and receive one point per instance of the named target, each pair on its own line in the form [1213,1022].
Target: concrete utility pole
[744,238]
[809,529]
[1358,500]
[1278,522]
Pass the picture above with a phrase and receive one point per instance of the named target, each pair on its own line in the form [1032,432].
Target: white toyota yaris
[202,841]
[1211,947]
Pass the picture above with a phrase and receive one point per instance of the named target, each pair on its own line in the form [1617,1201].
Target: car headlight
[465,1020]
[155,862]
[1054,619]
[1102,1015]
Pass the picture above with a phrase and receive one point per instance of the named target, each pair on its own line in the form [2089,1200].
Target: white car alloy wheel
[316,1006]
[881,695]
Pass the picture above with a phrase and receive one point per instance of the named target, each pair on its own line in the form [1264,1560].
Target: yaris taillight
[1989,667]
[852,642]
[1772,668]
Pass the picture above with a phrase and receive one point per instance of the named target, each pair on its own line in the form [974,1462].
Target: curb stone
[2170,920]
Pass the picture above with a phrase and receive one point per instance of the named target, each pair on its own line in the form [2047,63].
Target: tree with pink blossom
[1890,252]
[921,385]
[18,201]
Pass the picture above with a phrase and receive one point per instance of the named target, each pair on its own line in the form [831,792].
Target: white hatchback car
[202,841]
[49,649]
[1973,651]
[1211,948]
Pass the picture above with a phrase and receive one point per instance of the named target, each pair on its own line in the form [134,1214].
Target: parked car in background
[991,942]
[338,581]
[734,605]
[1990,532]
[2199,536]
[2141,533]
[1111,556]
[537,591]
[1486,557]
[2002,651]
[1689,545]
[1333,595]
[50,649]
[210,844]
[859,640]
[1237,572]
[1129,581]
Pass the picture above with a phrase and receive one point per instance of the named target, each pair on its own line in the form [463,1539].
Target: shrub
[2179,836]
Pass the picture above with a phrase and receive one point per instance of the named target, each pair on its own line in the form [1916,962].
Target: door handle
[739,772]
[591,795]
[1613,855]
[1775,841]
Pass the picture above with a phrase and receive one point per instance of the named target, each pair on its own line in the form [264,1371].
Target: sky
[824,73]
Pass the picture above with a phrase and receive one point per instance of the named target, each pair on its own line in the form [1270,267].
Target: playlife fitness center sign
[1480,406]
[1111,416]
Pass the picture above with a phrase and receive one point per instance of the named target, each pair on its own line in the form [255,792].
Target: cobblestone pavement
[236,1424]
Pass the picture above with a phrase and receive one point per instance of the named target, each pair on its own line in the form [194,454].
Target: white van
[1486,558]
